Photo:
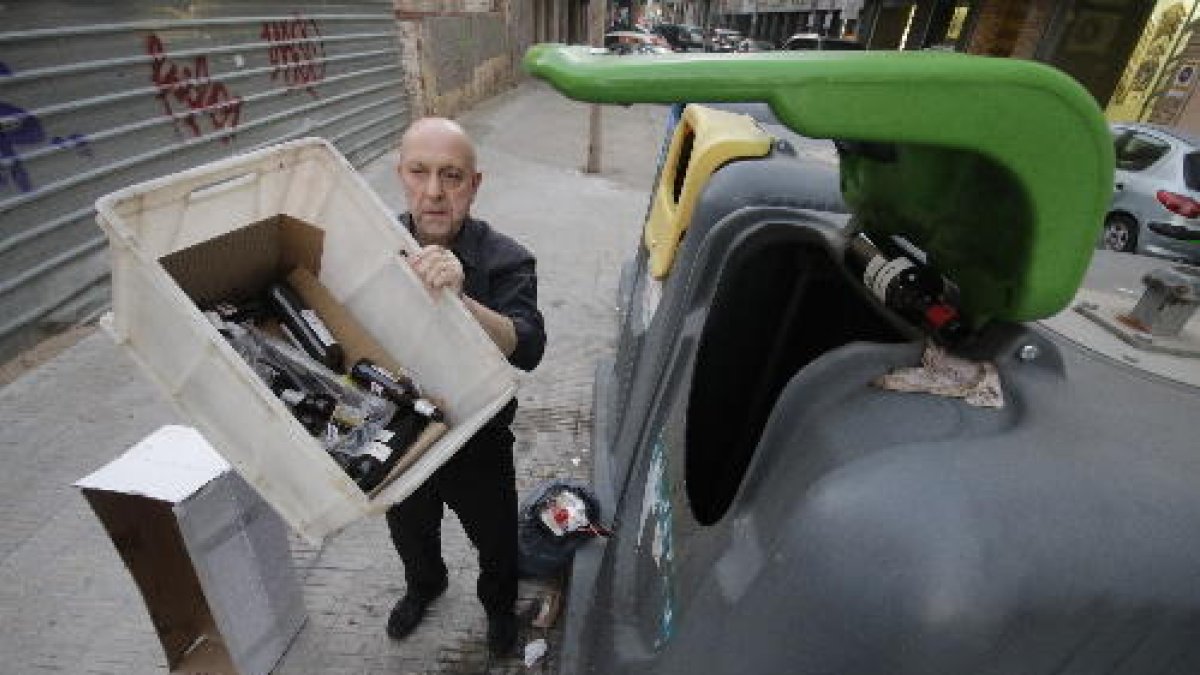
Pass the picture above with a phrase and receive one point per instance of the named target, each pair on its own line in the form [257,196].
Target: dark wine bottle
[313,410]
[911,289]
[373,464]
[395,387]
[278,379]
[378,458]
[304,327]
[401,432]
[360,466]
[247,311]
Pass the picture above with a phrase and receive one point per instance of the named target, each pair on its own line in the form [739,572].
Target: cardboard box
[210,557]
[228,227]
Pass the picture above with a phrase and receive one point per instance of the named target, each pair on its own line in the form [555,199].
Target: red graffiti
[193,89]
[296,52]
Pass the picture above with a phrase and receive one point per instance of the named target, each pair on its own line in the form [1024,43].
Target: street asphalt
[69,605]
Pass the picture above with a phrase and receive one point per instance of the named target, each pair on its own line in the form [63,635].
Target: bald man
[495,278]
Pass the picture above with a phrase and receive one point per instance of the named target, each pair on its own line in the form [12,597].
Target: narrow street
[67,601]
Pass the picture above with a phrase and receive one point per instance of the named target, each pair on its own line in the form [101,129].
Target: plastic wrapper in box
[231,227]
[209,555]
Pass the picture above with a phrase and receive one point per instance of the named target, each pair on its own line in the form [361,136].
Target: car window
[1136,151]
[841,45]
[1191,170]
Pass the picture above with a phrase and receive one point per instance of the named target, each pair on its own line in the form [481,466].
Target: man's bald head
[441,129]
[437,170]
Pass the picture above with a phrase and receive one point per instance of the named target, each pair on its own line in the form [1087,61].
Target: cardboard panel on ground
[227,229]
[210,557]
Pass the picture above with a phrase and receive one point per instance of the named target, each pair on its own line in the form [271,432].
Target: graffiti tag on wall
[296,52]
[189,95]
[20,129]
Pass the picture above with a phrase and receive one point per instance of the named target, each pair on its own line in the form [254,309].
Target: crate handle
[221,186]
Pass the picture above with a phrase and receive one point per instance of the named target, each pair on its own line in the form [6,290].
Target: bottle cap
[424,407]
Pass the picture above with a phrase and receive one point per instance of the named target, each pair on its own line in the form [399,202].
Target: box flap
[250,258]
[239,549]
[145,534]
[169,465]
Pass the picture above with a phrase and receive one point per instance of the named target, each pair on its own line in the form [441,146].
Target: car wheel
[1120,233]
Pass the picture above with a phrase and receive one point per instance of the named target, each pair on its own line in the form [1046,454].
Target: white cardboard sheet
[168,465]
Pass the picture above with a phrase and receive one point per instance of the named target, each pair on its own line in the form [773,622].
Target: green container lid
[1000,169]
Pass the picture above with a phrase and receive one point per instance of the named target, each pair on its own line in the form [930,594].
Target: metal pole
[593,149]
[600,13]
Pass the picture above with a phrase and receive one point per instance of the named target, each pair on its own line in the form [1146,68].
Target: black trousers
[479,484]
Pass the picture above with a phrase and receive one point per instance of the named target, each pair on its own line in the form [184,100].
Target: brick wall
[456,52]
[460,52]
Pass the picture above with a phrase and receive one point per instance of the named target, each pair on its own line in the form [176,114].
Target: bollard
[1171,298]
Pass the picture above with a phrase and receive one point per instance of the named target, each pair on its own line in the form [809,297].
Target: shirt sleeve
[514,294]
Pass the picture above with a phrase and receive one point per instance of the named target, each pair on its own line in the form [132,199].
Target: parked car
[723,40]
[1155,207]
[634,42]
[681,37]
[752,45]
[814,41]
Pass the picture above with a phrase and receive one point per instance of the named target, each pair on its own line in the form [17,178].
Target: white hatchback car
[1155,207]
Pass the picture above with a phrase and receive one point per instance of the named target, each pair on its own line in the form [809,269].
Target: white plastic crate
[435,337]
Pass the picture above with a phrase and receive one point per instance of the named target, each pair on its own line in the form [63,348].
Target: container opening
[686,142]
[778,306]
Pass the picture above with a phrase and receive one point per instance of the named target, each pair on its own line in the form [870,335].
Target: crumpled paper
[943,374]
[534,651]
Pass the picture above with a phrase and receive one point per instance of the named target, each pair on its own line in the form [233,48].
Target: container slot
[777,307]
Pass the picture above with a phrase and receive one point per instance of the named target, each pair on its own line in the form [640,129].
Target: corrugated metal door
[95,96]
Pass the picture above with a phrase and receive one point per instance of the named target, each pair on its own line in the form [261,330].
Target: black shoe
[407,613]
[502,633]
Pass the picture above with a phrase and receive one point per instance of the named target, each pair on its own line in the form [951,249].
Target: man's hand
[438,268]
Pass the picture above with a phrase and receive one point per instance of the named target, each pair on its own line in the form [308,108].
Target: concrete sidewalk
[68,604]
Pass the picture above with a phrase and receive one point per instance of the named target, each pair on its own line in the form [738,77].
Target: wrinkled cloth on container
[943,374]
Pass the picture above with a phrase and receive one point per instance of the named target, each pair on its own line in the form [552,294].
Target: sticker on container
[379,451]
[886,274]
[382,371]
[872,269]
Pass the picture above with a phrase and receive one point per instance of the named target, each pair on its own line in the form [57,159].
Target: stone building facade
[459,52]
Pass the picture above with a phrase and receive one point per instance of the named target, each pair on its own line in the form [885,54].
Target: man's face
[437,169]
